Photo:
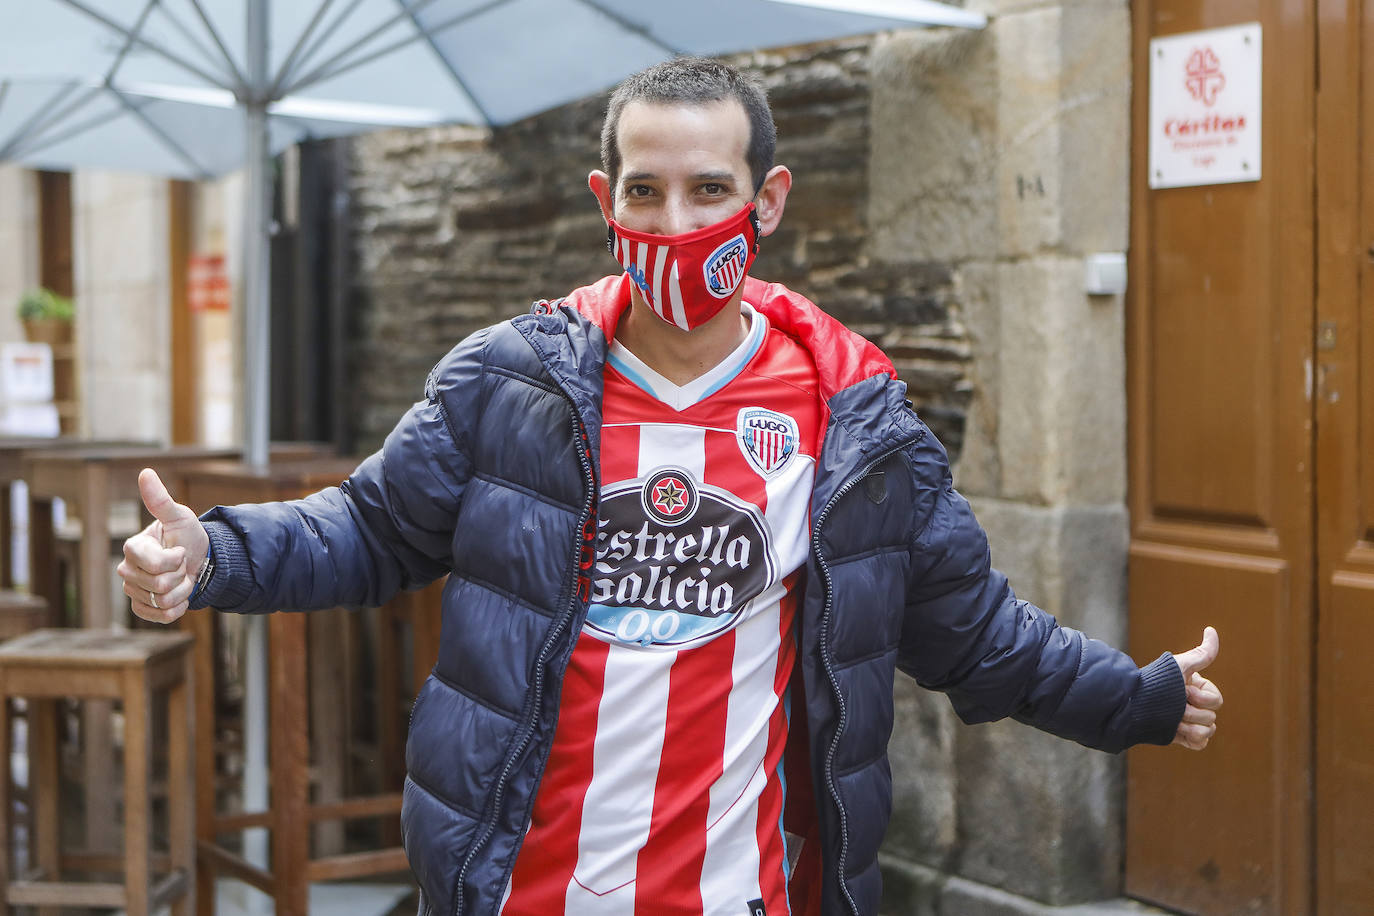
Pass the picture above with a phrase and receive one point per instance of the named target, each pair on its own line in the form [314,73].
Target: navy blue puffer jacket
[493,477]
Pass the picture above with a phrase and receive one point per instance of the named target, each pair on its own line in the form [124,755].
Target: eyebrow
[699,176]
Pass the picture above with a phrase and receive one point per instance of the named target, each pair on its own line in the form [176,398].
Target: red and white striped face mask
[687,279]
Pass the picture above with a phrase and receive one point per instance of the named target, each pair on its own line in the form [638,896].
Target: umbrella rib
[17,147]
[195,41]
[291,67]
[151,45]
[300,43]
[444,61]
[628,26]
[129,38]
[333,67]
[42,118]
[161,134]
[219,42]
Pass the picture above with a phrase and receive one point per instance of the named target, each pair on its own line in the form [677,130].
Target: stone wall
[458,228]
[123,330]
[1003,155]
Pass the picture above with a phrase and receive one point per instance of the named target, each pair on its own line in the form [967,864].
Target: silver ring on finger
[152,599]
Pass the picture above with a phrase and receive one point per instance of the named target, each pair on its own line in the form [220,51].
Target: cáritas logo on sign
[677,562]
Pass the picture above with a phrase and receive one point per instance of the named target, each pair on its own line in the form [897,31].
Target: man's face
[682,167]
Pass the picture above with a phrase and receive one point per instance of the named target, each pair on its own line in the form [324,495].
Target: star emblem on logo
[670,497]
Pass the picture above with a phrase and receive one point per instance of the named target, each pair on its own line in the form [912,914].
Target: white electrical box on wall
[1104,273]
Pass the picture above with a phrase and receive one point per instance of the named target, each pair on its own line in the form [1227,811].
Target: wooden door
[1221,465]
[55,232]
[1344,407]
[180,232]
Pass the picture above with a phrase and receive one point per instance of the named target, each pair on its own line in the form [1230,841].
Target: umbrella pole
[256,337]
[257,285]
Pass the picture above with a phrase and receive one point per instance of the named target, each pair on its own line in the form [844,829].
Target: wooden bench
[134,668]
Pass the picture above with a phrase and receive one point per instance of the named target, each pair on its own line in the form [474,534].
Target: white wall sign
[1205,107]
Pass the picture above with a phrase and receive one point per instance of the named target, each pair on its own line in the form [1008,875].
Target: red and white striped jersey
[664,790]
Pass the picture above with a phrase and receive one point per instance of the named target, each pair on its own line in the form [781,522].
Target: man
[693,528]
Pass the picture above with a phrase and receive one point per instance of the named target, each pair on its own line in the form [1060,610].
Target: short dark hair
[693,81]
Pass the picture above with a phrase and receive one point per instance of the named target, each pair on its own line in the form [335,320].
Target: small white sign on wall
[1205,107]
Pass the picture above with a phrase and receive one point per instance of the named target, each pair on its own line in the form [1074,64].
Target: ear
[600,183]
[772,198]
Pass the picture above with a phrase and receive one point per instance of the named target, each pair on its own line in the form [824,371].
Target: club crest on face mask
[687,279]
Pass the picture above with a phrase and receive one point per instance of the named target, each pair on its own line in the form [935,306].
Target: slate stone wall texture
[457,229]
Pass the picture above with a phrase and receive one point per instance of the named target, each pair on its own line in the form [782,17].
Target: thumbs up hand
[1204,699]
[162,561]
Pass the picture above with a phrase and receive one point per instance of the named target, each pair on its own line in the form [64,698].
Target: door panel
[1220,350]
[1219,471]
[1246,599]
[1344,405]
[1345,775]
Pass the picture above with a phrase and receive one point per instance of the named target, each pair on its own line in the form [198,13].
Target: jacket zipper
[545,650]
[830,752]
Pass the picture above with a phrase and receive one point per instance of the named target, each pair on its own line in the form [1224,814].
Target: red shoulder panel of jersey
[843,358]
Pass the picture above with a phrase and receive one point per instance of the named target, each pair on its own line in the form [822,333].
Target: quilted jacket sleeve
[388,527]
[967,634]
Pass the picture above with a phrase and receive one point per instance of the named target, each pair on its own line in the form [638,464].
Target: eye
[638,190]
[714,189]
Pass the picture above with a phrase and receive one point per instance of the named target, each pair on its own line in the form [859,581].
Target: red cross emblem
[1205,79]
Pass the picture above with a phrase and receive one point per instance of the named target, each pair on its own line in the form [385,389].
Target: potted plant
[47,316]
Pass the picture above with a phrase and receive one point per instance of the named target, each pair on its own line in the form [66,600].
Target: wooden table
[291,638]
[13,452]
[90,478]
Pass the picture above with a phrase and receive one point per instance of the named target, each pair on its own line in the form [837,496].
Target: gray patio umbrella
[194,88]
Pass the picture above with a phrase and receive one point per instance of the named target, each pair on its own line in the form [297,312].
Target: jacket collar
[867,412]
[843,358]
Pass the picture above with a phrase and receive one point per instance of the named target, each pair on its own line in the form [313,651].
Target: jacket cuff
[232,581]
[1160,701]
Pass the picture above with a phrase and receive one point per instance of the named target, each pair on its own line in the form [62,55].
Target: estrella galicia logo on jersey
[677,562]
[724,269]
[768,439]
[669,496]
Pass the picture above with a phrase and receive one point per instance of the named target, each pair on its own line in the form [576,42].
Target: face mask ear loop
[610,240]
[758,230]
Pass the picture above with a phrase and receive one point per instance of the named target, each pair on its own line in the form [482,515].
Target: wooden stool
[293,639]
[132,667]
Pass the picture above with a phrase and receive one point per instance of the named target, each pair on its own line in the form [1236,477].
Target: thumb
[158,500]
[1200,657]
